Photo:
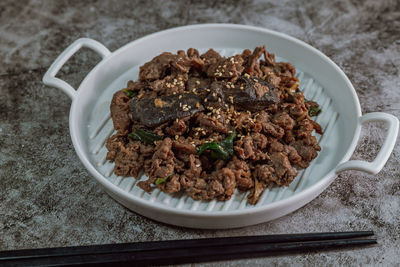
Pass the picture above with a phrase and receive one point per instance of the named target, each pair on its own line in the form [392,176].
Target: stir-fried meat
[205,125]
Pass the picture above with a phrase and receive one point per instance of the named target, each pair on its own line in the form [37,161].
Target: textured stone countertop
[47,198]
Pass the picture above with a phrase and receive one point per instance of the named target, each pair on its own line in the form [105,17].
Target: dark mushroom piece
[252,94]
[248,93]
[151,112]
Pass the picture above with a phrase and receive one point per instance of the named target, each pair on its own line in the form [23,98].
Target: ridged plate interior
[100,127]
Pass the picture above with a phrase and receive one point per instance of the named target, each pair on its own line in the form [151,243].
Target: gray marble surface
[47,198]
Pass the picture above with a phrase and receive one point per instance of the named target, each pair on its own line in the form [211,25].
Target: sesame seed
[180,78]
[219,99]
[180,104]
[185,107]
[205,100]
[176,120]
[197,165]
[197,82]
[180,96]
[230,73]
[214,95]
[175,81]
[176,137]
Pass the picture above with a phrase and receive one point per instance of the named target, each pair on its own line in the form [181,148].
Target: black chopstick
[174,244]
[181,251]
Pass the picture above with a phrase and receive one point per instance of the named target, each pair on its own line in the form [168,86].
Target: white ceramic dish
[321,80]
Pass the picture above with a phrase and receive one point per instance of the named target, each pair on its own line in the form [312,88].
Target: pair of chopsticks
[186,251]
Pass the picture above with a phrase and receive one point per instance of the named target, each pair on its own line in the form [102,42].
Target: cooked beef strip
[120,112]
[190,99]
[178,127]
[160,66]
[252,63]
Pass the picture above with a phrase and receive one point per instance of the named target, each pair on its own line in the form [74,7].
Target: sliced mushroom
[152,112]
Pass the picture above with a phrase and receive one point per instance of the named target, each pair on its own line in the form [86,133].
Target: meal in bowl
[206,124]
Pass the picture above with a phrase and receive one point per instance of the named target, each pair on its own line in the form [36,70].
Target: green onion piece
[162,180]
[314,111]
[143,136]
[227,143]
[207,146]
[223,151]
[129,93]
[217,152]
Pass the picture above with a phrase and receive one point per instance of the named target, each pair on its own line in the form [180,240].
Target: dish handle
[383,155]
[49,77]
